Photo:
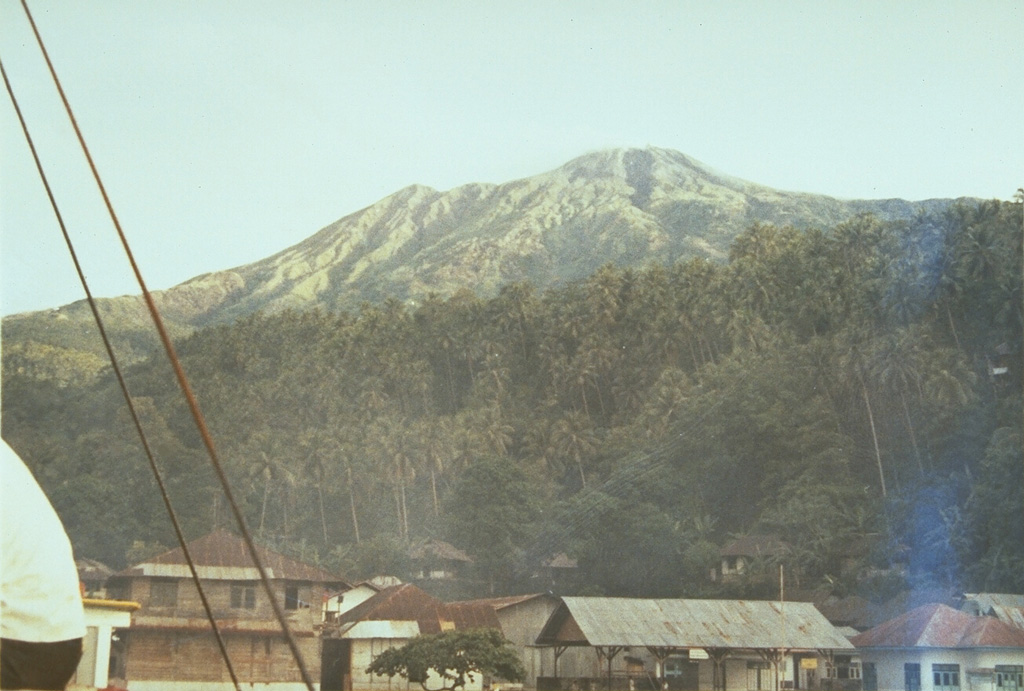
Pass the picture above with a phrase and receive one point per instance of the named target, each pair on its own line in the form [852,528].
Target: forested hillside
[855,390]
[627,207]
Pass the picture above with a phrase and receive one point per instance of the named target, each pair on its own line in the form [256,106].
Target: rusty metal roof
[403,602]
[472,615]
[738,624]
[407,603]
[939,626]
[222,555]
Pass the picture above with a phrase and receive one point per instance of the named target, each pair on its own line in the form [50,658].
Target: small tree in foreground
[453,656]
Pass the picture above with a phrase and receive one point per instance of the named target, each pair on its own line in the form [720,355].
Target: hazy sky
[228,130]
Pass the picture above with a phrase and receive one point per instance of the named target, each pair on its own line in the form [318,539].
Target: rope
[179,374]
[172,514]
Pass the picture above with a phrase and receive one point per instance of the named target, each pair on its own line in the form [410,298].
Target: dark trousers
[25,665]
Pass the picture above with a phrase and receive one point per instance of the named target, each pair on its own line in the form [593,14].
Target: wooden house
[938,648]
[737,556]
[171,645]
[438,560]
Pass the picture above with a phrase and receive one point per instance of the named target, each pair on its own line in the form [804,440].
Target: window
[163,593]
[846,668]
[291,597]
[243,597]
[946,677]
[1010,676]
[912,676]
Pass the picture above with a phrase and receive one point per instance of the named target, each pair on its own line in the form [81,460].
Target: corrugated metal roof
[746,624]
[988,632]
[1014,616]
[223,555]
[997,599]
[403,602]
[472,615]
[1007,607]
[939,626]
[408,603]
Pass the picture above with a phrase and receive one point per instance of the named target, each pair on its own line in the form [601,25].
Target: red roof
[939,626]
[406,602]
[223,549]
[472,615]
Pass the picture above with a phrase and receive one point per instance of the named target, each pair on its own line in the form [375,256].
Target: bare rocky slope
[629,207]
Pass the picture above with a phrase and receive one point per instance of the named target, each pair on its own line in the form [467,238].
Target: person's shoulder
[14,474]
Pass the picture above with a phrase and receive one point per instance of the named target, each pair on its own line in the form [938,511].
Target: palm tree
[896,363]
[392,443]
[573,436]
[314,467]
[434,435]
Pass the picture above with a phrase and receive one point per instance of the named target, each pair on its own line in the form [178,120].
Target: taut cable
[171,513]
[179,373]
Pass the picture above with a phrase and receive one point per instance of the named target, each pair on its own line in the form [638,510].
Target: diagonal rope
[171,513]
[179,373]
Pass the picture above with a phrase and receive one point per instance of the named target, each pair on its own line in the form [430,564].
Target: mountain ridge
[625,206]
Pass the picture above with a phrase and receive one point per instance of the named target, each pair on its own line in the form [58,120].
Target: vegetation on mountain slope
[625,207]
[842,388]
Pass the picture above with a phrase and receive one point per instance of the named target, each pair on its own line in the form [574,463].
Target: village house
[698,645]
[388,620]
[558,572]
[438,560]
[170,645]
[738,556]
[938,648]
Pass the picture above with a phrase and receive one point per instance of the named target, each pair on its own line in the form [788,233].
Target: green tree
[492,514]
[454,657]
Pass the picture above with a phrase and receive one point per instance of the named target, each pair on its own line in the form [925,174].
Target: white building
[937,648]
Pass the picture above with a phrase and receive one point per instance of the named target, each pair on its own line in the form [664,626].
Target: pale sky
[228,130]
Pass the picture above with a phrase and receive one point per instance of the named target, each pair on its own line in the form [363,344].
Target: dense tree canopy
[854,390]
[454,657]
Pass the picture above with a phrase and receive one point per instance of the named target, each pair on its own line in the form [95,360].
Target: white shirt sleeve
[40,597]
